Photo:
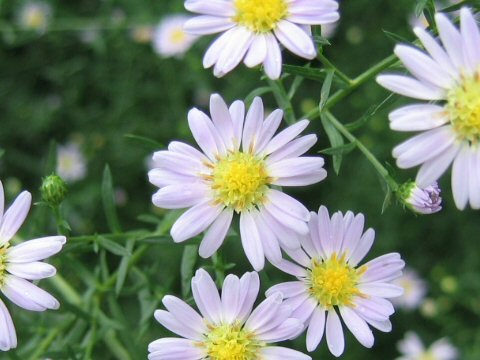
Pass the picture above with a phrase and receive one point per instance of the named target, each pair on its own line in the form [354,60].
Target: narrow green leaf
[325,92]
[320,40]
[189,258]
[395,37]
[339,150]
[147,142]
[123,267]
[108,197]
[306,72]
[113,247]
[336,140]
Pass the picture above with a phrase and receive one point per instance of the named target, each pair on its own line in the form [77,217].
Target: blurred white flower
[450,130]
[414,290]
[71,164]
[35,16]
[19,264]
[170,39]
[412,348]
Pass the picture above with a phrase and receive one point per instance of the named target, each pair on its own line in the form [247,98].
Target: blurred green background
[86,80]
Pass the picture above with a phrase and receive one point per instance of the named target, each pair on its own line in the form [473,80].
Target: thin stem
[68,292]
[373,160]
[283,100]
[328,64]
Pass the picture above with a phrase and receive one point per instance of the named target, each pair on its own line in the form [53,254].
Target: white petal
[363,247]
[206,24]
[290,268]
[335,339]
[249,287]
[230,298]
[234,50]
[302,180]
[289,329]
[291,222]
[431,170]
[36,249]
[418,117]
[353,234]
[471,39]
[253,125]
[182,148]
[269,127]
[264,313]
[295,39]
[294,148]
[316,328]
[222,120]
[287,237]
[195,220]
[288,204]
[204,133]
[423,67]
[184,313]
[206,296]
[474,182]
[237,112]
[211,7]
[273,62]
[460,178]
[2,201]
[285,136]
[174,325]
[31,271]
[8,336]
[252,244]
[174,349]
[15,216]
[215,49]
[279,352]
[381,290]
[180,196]
[324,231]
[27,295]
[313,13]
[161,178]
[451,39]
[257,52]
[215,235]
[410,87]
[270,244]
[288,289]
[357,326]
[300,166]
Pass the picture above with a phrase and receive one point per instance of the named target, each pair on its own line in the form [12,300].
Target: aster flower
[422,201]
[449,74]
[252,30]
[226,327]
[414,290]
[412,348]
[71,163]
[35,16]
[330,281]
[241,159]
[20,263]
[170,39]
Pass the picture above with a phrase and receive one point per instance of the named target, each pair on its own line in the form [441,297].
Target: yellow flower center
[333,282]
[177,36]
[240,181]
[463,106]
[427,356]
[3,263]
[260,15]
[231,342]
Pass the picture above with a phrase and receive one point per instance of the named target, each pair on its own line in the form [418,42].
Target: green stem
[283,100]
[52,335]
[67,291]
[354,84]
[328,64]
[373,160]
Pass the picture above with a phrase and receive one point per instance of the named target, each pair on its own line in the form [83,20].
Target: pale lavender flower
[331,282]
[414,290]
[169,39]
[252,30]
[19,264]
[226,327]
[240,162]
[412,348]
[71,163]
[35,15]
[424,201]
[450,74]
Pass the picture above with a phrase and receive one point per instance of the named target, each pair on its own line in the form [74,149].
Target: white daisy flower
[241,160]
[252,30]
[412,348]
[35,16]
[422,201]
[226,327]
[21,263]
[449,74]
[71,163]
[170,39]
[330,281]
[414,290]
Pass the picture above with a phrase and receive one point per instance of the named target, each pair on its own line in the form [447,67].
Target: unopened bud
[53,190]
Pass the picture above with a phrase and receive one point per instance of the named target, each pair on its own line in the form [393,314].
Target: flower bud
[421,201]
[53,190]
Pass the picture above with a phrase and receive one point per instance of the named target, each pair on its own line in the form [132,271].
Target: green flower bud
[53,190]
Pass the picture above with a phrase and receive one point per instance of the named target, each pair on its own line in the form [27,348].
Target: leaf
[306,72]
[325,92]
[320,40]
[123,267]
[339,150]
[336,140]
[371,111]
[189,258]
[395,37]
[108,197]
[147,142]
[113,247]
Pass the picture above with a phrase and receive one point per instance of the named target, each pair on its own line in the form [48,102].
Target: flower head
[412,348]
[414,290]
[421,201]
[35,16]
[226,328]
[71,163]
[19,264]
[252,30]
[240,162]
[170,39]
[448,73]
[53,190]
[330,281]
